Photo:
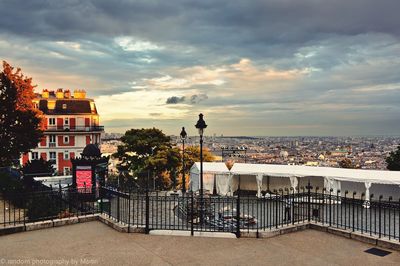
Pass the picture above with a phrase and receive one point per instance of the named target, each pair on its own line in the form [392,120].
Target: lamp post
[183,138]
[201,125]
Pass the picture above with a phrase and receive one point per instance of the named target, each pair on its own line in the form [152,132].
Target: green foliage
[38,168]
[20,123]
[148,153]
[147,150]
[393,160]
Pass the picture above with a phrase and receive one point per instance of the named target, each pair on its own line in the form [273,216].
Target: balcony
[74,128]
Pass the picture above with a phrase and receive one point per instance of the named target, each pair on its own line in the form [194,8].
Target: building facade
[71,123]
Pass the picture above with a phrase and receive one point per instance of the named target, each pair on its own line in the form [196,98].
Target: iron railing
[74,128]
[275,209]
[19,208]
[375,216]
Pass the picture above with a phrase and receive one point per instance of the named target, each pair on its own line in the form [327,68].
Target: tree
[166,163]
[20,122]
[192,155]
[147,151]
[393,160]
[36,168]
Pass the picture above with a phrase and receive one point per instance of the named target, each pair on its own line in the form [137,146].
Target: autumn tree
[192,155]
[20,122]
[347,163]
[393,160]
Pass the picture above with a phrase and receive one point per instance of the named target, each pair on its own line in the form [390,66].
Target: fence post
[330,207]
[101,199]
[354,193]
[118,196]
[191,214]
[380,220]
[129,208]
[147,211]
[4,206]
[323,205]
[390,207]
[238,211]
[276,208]
[309,201]
[60,198]
[292,205]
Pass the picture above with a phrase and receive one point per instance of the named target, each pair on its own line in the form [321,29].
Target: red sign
[83,179]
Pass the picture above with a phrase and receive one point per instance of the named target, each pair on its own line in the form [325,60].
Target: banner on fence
[83,177]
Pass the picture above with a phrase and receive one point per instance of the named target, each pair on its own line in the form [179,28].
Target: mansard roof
[67,106]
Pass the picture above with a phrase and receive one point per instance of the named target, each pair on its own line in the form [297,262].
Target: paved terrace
[94,243]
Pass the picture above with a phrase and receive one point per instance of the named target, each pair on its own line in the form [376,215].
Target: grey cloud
[240,22]
[197,98]
[351,44]
[175,100]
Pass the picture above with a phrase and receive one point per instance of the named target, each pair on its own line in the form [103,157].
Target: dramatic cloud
[260,67]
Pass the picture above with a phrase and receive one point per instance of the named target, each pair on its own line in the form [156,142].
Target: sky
[256,68]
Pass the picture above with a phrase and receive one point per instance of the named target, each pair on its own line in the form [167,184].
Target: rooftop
[63,102]
[96,244]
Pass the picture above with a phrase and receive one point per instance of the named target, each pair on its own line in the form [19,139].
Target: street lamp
[183,138]
[201,125]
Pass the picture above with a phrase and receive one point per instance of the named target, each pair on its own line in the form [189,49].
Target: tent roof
[353,175]
[212,168]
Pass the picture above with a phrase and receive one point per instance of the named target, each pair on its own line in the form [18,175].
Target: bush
[42,206]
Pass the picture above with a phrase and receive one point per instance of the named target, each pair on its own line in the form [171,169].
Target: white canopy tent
[211,171]
[332,177]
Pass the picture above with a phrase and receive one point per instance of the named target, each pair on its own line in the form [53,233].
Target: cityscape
[364,152]
[212,132]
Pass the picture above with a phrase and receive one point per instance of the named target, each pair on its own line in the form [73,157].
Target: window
[66,121]
[67,171]
[52,156]
[35,156]
[64,106]
[52,121]
[52,138]
[66,155]
[66,139]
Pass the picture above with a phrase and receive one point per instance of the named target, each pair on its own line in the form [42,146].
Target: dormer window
[64,106]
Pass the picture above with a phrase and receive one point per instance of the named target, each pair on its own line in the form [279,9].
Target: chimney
[45,94]
[67,94]
[79,94]
[60,94]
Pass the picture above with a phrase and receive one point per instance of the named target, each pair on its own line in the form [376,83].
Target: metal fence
[374,216]
[18,207]
[166,211]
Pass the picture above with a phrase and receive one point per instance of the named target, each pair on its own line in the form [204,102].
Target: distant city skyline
[253,68]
